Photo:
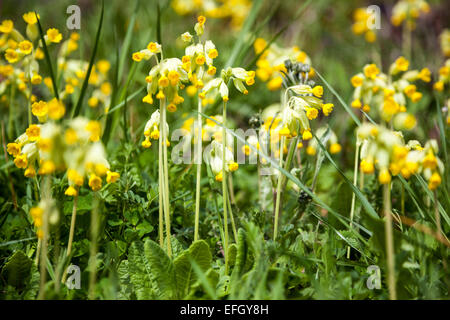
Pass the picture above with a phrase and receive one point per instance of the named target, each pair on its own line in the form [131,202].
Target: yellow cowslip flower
[137,56]
[112,176]
[172,107]
[154,47]
[30,18]
[401,64]
[146,143]
[435,181]
[71,191]
[94,128]
[410,90]
[11,55]
[438,86]
[384,176]
[53,35]
[275,83]
[93,102]
[74,177]
[233,166]
[70,136]
[357,81]
[47,167]
[25,47]
[6,26]
[335,148]
[103,66]
[318,91]
[95,182]
[33,132]
[371,71]
[424,75]
[39,54]
[56,109]
[13,148]
[21,161]
[306,135]
[356,104]
[36,79]
[30,172]
[39,109]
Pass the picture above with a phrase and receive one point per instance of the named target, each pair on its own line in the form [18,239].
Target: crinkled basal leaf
[17,270]
[161,270]
[185,276]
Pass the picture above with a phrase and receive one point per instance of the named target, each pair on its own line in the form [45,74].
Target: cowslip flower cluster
[389,92]
[198,61]
[37,212]
[331,142]
[21,53]
[43,110]
[361,24]
[215,160]
[152,129]
[304,103]
[165,78]
[73,147]
[236,10]
[386,150]
[408,11]
[444,77]
[270,65]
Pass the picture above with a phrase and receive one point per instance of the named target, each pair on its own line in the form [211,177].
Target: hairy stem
[166,177]
[224,185]
[355,179]
[278,194]
[389,241]
[199,169]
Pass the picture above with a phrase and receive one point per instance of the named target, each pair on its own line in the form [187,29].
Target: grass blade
[346,107]
[47,58]
[296,181]
[127,42]
[121,104]
[77,109]
[237,48]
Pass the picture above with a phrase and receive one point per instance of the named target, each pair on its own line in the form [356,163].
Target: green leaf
[17,270]
[140,272]
[242,252]
[126,286]
[77,109]
[161,270]
[47,58]
[185,276]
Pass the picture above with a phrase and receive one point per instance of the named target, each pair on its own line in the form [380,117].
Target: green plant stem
[407,42]
[161,194]
[38,251]
[199,169]
[93,247]
[389,241]
[437,216]
[355,179]
[224,185]
[165,179]
[233,225]
[72,225]
[278,194]
[46,194]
